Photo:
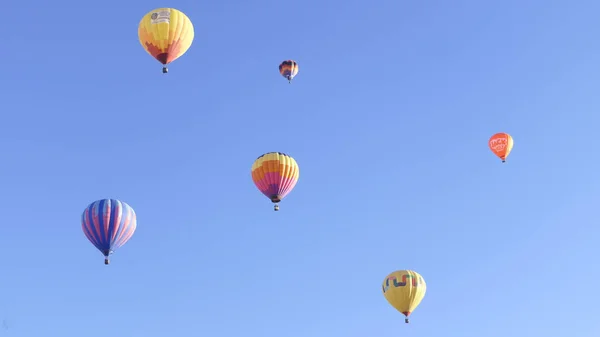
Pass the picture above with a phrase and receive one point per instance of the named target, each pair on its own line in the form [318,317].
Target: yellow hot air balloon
[404,290]
[166,34]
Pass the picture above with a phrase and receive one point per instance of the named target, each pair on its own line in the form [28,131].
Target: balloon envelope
[108,224]
[288,69]
[404,290]
[501,144]
[166,34]
[275,174]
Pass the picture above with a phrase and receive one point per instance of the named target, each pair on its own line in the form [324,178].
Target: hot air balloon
[166,34]
[404,290]
[501,144]
[288,69]
[108,224]
[275,174]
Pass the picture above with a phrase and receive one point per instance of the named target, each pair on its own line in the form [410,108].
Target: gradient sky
[388,119]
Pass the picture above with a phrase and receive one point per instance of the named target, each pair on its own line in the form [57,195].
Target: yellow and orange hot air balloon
[275,174]
[288,69]
[404,290]
[166,34]
[501,144]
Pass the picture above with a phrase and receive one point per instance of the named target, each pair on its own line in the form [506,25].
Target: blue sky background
[388,119]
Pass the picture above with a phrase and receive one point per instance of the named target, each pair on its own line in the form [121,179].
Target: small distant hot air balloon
[501,144]
[275,174]
[288,69]
[404,290]
[108,224]
[166,34]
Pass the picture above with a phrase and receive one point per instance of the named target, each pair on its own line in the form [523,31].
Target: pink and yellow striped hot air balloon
[166,34]
[275,174]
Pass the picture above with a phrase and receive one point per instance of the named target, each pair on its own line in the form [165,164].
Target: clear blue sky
[388,119]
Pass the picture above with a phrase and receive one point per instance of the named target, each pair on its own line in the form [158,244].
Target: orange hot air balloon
[501,144]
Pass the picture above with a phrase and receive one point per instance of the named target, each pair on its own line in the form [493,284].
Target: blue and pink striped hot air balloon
[108,224]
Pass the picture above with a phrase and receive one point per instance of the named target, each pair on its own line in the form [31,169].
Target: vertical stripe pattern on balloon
[108,224]
[288,69]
